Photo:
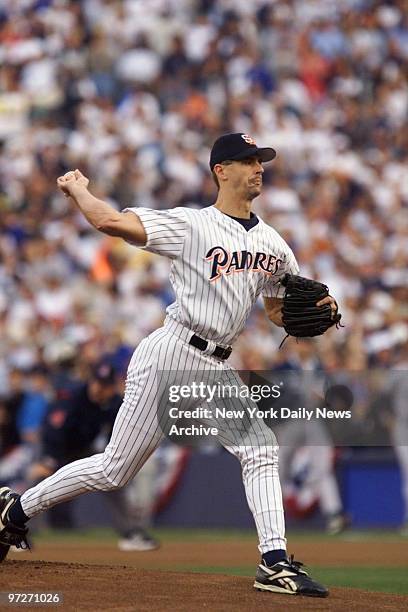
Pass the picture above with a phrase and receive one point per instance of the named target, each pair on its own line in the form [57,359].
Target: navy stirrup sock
[274,556]
[17,515]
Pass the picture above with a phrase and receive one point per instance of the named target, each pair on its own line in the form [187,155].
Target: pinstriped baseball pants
[161,359]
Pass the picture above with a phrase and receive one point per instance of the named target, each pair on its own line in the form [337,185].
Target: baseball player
[223,258]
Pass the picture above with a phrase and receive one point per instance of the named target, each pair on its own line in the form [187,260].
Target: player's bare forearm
[108,220]
[273,309]
[101,215]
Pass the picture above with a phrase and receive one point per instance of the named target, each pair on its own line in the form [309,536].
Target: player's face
[245,177]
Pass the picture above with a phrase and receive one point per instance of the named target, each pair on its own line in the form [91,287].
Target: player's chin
[254,191]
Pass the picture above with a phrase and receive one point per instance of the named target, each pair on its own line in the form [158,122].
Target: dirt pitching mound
[103,587]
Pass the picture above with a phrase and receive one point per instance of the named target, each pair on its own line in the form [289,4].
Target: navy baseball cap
[238,146]
[104,373]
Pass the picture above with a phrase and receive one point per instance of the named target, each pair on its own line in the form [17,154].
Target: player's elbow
[125,225]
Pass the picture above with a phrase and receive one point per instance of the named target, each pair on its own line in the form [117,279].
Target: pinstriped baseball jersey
[219,269]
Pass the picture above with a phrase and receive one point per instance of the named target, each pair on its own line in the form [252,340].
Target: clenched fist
[71,181]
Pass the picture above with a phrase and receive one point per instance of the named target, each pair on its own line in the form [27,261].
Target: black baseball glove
[301,317]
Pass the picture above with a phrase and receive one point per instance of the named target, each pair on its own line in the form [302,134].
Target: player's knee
[115,476]
[259,457]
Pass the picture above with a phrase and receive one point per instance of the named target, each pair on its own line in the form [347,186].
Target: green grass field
[212,535]
[383,578]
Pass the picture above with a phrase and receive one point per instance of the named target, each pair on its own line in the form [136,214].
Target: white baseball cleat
[138,541]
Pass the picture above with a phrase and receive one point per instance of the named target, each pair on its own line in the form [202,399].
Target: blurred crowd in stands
[134,92]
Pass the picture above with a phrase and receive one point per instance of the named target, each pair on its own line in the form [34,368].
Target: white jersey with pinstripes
[219,269]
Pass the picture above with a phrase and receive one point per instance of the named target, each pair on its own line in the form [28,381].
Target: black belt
[220,352]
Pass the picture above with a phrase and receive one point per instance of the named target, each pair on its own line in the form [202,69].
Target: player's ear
[219,171]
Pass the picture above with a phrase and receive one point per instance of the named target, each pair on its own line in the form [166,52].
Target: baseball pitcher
[223,258]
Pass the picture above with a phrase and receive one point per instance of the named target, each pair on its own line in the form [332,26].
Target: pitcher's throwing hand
[70,181]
